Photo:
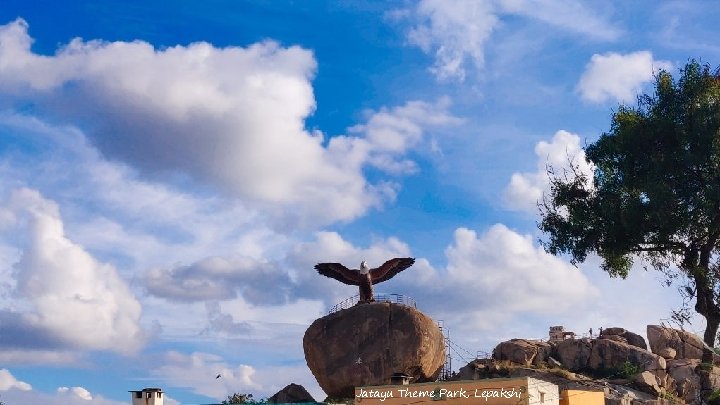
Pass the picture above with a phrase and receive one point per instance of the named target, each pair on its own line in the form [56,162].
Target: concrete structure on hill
[148,396]
[558,333]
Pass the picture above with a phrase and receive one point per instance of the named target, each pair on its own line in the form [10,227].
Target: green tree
[655,191]
[237,398]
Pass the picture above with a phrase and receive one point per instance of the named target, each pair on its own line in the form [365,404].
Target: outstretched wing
[338,272]
[390,268]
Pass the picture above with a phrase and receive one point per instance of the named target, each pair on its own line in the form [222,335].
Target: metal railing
[392,298]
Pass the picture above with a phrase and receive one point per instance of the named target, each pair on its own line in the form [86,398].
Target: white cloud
[515,273]
[142,221]
[79,392]
[616,76]
[8,382]
[232,117]
[498,278]
[390,132]
[223,323]
[525,190]
[38,357]
[218,278]
[455,32]
[150,226]
[79,300]
[243,297]
[142,227]
[198,371]
[573,16]
[500,273]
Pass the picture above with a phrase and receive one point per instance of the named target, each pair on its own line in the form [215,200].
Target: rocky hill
[618,362]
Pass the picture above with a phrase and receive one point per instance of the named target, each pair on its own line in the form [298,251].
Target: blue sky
[171,171]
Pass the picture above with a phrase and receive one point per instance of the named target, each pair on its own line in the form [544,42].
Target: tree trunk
[709,337]
[705,295]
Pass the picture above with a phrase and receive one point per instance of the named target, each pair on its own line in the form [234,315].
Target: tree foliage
[237,398]
[655,193]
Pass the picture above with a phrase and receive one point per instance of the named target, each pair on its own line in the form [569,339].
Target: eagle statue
[365,277]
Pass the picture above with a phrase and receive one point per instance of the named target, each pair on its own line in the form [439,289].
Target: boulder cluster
[617,362]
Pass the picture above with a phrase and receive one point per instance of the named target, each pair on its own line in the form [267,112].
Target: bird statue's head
[364,269]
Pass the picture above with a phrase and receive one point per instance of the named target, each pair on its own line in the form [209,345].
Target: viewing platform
[392,298]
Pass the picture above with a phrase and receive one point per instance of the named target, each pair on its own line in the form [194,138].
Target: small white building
[148,396]
[542,392]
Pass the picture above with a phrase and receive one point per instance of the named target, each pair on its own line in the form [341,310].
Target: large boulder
[574,354]
[291,394]
[523,351]
[468,372]
[611,355]
[364,345]
[635,340]
[648,382]
[686,344]
[685,382]
[616,338]
[668,353]
[612,331]
[625,335]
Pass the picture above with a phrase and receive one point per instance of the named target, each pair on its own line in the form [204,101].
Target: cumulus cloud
[78,392]
[525,190]
[198,371]
[507,269]
[232,117]
[145,228]
[494,280]
[223,323]
[8,382]
[218,278]
[498,273]
[614,76]
[74,298]
[392,132]
[456,32]
[135,220]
